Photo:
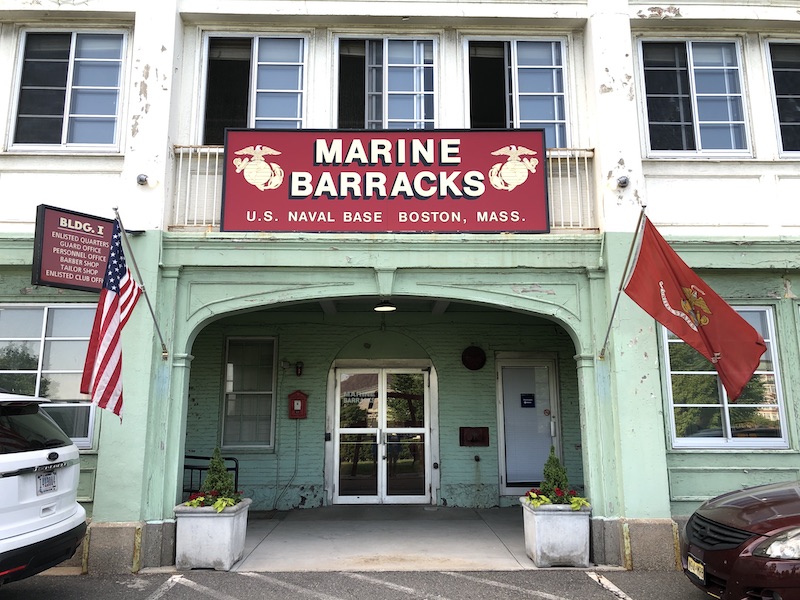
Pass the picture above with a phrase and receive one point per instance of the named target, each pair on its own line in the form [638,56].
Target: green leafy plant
[555,487]
[217,489]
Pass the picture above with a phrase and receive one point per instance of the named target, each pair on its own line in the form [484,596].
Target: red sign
[70,249]
[385,181]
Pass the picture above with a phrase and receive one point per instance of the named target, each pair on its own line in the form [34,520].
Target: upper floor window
[70,89]
[253,83]
[702,413]
[249,400]
[694,96]
[386,84]
[520,85]
[42,349]
[785,62]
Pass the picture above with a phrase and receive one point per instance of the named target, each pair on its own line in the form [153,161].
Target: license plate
[696,568]
[45,483]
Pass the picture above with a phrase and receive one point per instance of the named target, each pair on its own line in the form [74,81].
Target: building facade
[503,343]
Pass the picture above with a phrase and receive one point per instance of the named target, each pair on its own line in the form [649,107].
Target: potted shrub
[211,525]
[556,520]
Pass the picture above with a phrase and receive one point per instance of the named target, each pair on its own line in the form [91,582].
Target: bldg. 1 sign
[385,181]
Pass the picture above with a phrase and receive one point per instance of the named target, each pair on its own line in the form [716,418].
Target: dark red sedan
[745,545]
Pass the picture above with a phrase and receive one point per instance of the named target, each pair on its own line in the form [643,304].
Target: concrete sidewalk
[386,538]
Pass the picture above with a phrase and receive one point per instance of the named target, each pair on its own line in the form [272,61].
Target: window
[42,350]
[254,83]
[785,60]
[520,85]
[694,96]
[704,416]
[386,84]
[70,89]
[249,399]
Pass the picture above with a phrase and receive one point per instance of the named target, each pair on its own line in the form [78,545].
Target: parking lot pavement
[544,584]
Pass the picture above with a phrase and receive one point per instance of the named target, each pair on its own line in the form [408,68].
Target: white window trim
[84,443]
[274,413]
[692,154]
[732,443]
[434,37]
[767,57]
[125,77]
[202,61]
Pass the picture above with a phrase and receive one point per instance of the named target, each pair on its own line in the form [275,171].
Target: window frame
[252,89]
[773,92]
[123,87]
[699,152]
[728,442]
[273,392]
[88,441]
[566,79]
[436,67]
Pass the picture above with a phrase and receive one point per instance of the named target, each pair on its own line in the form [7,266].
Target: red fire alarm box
[298,403]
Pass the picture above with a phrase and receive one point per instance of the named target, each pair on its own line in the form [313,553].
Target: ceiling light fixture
[384,306]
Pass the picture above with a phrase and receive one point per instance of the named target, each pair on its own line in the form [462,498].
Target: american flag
[102,371]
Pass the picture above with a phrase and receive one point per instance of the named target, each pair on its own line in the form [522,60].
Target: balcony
[198,188]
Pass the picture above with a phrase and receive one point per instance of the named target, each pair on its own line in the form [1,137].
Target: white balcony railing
[198,188]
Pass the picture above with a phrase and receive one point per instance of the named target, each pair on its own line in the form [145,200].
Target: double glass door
[381,438]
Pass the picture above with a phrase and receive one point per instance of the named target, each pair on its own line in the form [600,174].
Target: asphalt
[387,538]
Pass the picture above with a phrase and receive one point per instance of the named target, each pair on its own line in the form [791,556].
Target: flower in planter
[217,489]
[555,487]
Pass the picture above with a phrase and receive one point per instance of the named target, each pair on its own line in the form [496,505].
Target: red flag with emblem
[675,296]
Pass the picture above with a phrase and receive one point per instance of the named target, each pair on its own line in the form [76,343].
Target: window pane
[96,74]
[70,322]
[403,79]
[19,356]
[755,422]
[51,75]
[667,81]
[94,102]
[64,355]
[540,80]
[720,109]
[47,46]
[73,419]
[682,357]
[759,390]
[698,422]
[541,108]
[268,124]
[61,386]
[21,322]
[538,53]
[717,81]
[93,45]
[402,107]
[695,389]
[83,130]
[279,77]
[277,50]
[722,137]
[786,78]
[18,383]
[401,52]
[714,54]
[278,105]
[672,137]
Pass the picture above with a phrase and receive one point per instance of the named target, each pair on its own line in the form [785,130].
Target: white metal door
[528,414]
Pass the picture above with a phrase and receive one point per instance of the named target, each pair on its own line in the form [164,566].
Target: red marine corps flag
[675,296]
[102,371]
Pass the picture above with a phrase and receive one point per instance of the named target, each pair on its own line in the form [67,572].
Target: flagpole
[622,281]
[164,353]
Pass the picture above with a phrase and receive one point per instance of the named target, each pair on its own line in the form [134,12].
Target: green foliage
[555,487]
[555,479]
[218,478]
[217,489]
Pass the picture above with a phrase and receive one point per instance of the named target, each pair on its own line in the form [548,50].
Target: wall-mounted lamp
[298,368]
[384,306]
[141,179]
[623,182]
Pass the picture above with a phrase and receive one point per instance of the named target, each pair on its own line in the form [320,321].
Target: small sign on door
[527,400]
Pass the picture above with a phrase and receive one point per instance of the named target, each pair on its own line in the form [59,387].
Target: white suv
[41,522]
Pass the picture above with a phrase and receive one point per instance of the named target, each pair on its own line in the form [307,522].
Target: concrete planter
[556,535]
[206,539]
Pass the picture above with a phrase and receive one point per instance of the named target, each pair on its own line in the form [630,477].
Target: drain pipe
[296,456]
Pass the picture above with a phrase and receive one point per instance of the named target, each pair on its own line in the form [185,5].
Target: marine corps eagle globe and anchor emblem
[257,171]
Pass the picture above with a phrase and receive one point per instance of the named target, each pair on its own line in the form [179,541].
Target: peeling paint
[532,289]
[605,89]
[657,12]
